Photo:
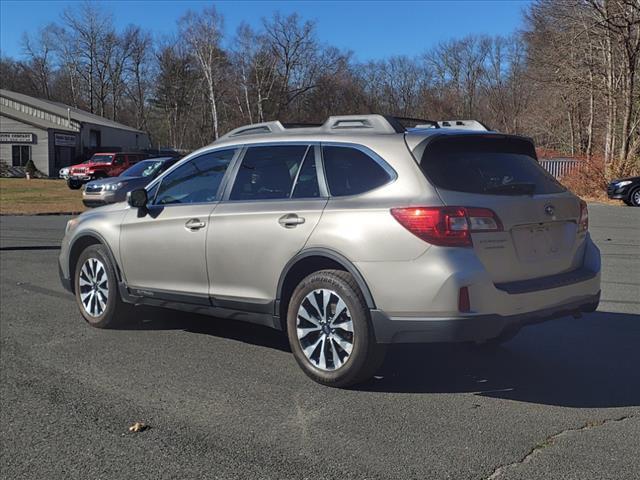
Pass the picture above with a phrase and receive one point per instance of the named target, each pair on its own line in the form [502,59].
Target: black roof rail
[300,125]
[409,122]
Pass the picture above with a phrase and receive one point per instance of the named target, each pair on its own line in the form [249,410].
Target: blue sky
[371,29]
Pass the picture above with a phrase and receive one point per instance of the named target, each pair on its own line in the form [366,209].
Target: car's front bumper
[618,193]
[102,198]
[66,282]
[475,328]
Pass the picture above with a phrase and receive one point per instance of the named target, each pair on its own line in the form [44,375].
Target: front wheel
[634,198]
[74,184]
[330,332]
[96,289]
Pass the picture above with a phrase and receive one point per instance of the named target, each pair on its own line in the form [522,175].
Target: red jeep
[101,165]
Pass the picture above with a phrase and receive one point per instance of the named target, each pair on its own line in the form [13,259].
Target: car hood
[112,180]
[633,179]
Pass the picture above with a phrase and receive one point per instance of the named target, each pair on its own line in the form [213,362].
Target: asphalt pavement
[227,400]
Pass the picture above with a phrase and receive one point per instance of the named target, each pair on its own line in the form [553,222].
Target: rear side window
[350,171]
[196,181]
[268,172]
[487,165]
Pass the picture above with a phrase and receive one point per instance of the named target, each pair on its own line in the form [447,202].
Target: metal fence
[559,167]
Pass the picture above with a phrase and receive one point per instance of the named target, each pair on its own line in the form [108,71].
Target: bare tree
[256,70]
[297,53]
[39,52]
[203,33]
[86,31]
[138,72]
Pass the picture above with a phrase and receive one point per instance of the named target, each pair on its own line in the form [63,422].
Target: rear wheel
[330,332]
[96,289]
[634,198]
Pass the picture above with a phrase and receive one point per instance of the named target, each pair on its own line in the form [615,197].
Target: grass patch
[22,196]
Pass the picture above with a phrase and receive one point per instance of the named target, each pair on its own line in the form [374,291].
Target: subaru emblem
[549,209]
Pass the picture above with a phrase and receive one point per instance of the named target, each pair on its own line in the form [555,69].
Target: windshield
[146,168]
[493,165]
[100,159]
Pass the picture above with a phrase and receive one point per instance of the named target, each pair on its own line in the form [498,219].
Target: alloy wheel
[94,287]
[325,329]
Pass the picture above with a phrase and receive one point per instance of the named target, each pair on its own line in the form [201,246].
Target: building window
[94,139]
[20,155]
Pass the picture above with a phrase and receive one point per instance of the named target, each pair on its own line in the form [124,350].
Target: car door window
[350,171]
[307,181]
[268,172]
[196,181]
[118,160]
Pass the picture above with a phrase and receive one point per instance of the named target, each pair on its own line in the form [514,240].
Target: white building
[54,135]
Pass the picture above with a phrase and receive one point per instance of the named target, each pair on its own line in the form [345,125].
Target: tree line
[570,78]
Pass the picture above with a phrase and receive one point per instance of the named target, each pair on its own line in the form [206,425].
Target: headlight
[112,187]
[71,224]
[623,183]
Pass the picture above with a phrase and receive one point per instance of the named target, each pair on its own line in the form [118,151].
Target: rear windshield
[492,165]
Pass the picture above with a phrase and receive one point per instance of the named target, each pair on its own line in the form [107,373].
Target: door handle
[194,224]
[290,220]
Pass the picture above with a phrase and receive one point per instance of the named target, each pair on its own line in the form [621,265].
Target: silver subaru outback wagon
[348,236]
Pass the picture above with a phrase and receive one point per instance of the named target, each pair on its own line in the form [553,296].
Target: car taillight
[447,226]
[583,224]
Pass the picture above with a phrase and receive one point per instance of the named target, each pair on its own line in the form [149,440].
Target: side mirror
[137,198]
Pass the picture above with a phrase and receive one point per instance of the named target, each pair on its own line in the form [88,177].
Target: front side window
[196,181]
[350,171]
[268,172]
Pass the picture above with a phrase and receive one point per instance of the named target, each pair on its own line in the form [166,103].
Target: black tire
[115,311]
[74,184]
[366,355]
[634,197]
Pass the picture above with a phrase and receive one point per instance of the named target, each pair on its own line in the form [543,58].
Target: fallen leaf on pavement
[138,427]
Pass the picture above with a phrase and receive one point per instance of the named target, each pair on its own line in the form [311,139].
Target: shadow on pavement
[589,362]
[150,318]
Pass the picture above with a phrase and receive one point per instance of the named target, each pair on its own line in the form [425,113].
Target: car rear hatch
[539,231]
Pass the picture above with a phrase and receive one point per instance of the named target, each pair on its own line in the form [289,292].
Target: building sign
[64,140]
[16,137]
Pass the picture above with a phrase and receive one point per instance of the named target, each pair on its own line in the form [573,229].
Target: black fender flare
[331,255]
[101,240]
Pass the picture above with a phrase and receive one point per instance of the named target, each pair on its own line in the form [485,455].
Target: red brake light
[583,224]
[447,226]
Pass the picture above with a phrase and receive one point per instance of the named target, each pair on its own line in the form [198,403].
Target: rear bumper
[469,328]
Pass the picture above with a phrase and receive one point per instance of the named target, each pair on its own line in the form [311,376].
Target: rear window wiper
[513,189]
